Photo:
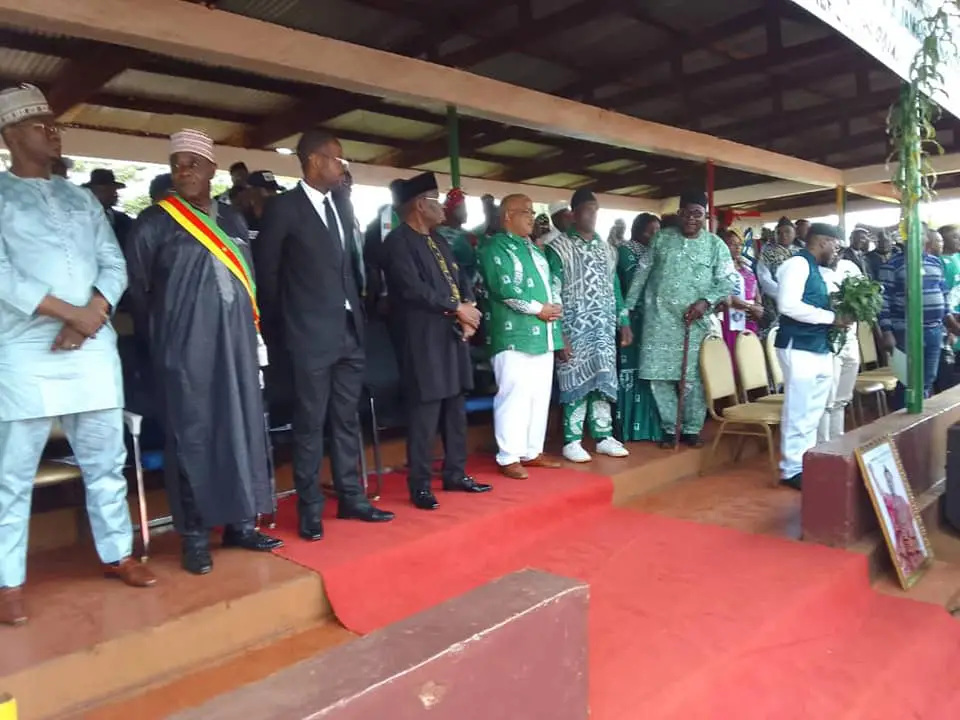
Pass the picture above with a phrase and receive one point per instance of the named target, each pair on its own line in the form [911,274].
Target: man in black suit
[309,284]
[434,301]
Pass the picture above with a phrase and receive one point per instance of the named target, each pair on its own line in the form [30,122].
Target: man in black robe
[204,349]
[435,303]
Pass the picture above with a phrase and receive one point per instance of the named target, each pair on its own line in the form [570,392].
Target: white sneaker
[574,452]
[612,447]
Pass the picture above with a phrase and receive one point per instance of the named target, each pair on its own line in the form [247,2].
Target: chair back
[776,372]
[868,347]
[382,375]
[751,364]
[716,369]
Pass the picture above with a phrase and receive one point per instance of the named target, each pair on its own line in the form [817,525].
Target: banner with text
[891,31]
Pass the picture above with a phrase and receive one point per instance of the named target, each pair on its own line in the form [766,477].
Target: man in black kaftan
[204,352]
[433,300]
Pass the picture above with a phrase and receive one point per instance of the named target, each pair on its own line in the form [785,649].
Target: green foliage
[135,206]
[218,188]
[910,123]
[859,299]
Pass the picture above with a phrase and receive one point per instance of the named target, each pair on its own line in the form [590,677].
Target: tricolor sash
[216,241]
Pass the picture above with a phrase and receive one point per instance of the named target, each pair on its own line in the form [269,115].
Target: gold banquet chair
[747,419]
[773,363]
[56,472]
[752,369]
[872,379]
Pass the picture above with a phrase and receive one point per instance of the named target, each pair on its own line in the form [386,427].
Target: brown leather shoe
[514,471]
[133,573]
[12,611]
[542,461]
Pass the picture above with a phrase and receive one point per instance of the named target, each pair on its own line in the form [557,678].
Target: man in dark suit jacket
[309,284]
[431,296]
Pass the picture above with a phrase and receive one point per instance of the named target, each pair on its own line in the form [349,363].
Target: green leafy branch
[910,122]
[859,299]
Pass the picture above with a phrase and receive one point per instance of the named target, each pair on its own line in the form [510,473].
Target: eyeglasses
[48,128]
[693,213]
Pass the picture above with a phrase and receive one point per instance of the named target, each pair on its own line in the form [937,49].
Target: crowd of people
[264,285]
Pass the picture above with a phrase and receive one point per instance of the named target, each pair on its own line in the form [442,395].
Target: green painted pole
[915,242]
[453,144]
[842,209]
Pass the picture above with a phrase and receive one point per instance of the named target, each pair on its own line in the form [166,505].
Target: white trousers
[96,439]
[846,367]
[807,382]
[522,404]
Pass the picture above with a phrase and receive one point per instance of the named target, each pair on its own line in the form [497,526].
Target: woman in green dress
[637,416]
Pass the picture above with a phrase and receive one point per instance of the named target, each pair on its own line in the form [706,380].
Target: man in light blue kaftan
[61,273]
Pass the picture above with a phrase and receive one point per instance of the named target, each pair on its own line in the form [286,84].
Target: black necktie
[332,225]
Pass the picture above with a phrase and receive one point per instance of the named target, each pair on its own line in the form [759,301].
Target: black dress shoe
[196,560]
[424,500]
[250,540]
[310,529]
[691,440]
[795,482]
[365,512]
[468,485]
[668,442]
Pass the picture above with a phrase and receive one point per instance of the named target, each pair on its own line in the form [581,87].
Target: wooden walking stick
[681,387]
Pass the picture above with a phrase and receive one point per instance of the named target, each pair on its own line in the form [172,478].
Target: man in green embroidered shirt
[593,314]
[523,332]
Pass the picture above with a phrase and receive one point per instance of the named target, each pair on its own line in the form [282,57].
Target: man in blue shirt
[61,274]
[936,311]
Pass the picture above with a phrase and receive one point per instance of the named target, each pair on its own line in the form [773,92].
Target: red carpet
[687,620]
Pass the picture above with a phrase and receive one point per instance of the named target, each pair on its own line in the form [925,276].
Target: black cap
[694,197]
[825,229]
[264,179]
[407,190]
[101,177]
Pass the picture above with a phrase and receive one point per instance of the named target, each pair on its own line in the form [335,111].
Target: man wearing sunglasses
[433,300]
[61,275]
[690,273]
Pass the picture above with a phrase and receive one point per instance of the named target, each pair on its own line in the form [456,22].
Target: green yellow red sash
[221,246]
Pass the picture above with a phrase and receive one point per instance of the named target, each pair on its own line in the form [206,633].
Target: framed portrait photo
[896,510]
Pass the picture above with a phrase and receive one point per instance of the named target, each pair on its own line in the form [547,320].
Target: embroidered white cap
[22,102]
[192,141]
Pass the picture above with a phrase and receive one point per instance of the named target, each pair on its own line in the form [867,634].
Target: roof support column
[453,143]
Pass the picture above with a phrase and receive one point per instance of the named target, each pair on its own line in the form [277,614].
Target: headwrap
[454,197]
[192,141]
[580,197]
[413,188]
[558,206]
[541,224]
[694,197]
[825,229]
[22,102]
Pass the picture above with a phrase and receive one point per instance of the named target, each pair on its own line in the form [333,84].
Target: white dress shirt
[791,281]
[317,199]
[768,286]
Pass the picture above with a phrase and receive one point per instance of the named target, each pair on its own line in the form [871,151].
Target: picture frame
[896,508]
